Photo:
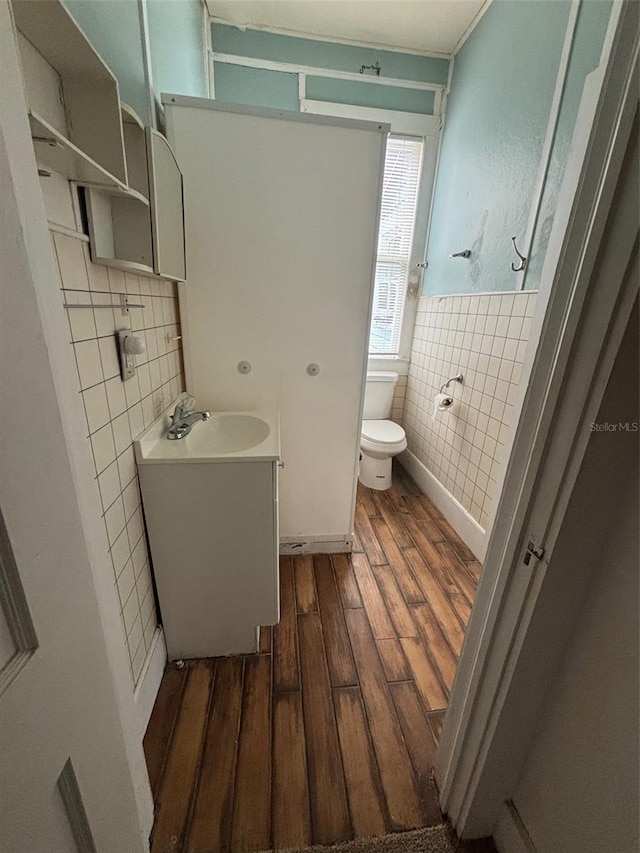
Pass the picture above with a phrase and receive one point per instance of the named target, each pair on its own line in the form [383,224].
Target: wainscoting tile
[485,338]
[116,411]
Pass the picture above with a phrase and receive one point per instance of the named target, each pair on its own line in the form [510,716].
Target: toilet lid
[383,432]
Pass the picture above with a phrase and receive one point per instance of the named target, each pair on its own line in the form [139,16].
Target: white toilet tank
[378,394]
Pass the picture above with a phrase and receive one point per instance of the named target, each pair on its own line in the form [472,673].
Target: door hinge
[533,551]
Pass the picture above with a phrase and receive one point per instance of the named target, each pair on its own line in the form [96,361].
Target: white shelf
[127,266]
[127,192]
[57,57]
[54,151]
[82,131]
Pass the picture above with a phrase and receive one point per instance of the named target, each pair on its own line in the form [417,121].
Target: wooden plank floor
[330,732]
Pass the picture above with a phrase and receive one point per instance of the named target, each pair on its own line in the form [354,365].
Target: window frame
[391,258]
[428,128]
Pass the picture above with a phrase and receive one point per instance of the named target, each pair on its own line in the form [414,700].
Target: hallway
[329,733]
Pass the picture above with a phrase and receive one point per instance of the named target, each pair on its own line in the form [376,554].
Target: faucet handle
[182,409]
[187,403]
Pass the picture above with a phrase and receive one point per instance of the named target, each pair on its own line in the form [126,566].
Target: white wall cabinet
[144,233]
[82,131]
[73,99]
[120,225]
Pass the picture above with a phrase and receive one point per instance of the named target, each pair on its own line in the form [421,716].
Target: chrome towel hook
[523,260]
[458,378]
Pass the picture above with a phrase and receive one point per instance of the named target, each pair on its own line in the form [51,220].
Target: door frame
[61,406]
[586,299]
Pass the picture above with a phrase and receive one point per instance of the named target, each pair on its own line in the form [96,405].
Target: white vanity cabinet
[213,533]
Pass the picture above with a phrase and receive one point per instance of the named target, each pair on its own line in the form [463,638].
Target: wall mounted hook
[458,378]
[523,260]
[375,68]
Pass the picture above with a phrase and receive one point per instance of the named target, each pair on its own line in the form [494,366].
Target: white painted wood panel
[69,699]
[281,231]
[91,115]
[43,85]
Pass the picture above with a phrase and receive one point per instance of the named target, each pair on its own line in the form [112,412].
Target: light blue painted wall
[587,48]
[324,54]
[177,51]
[274,89]
[113,28]
[175,36]
[370,95]
[256,87]
[497,113]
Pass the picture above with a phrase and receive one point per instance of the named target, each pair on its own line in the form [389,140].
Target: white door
[522,618]
[65,782]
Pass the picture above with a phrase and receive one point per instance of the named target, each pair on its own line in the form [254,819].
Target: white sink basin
[227,433]
[225,436]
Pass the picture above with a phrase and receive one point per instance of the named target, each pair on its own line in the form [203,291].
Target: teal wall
[587,47]
[324,54]
[497,114]
[113,28]
[175,36]
[256,87]
[370,95]
[278,89]
[177,50]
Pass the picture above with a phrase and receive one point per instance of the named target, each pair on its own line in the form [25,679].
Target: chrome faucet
[182,419]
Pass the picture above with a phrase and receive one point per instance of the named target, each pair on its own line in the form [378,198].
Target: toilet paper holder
[459,378]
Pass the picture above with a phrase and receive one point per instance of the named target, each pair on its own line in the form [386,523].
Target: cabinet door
[167,210]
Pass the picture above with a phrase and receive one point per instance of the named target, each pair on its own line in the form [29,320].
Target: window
[397,221]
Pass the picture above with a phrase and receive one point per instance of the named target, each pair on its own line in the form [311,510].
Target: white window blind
[397,220]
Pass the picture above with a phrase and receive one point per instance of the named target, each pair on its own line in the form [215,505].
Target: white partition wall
[281,214]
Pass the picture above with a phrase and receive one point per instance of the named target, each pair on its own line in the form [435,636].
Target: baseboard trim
[149,683]
[462,522]
[316,545]
[510,834]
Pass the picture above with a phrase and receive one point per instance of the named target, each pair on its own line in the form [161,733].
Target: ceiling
[424,26]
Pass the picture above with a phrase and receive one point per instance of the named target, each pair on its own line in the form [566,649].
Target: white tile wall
[483,337]
[117,411]
[397,404]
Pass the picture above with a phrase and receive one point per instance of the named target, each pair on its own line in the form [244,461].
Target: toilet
[380,438]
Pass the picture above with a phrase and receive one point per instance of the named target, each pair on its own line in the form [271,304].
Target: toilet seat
[382,438]
[382,432]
